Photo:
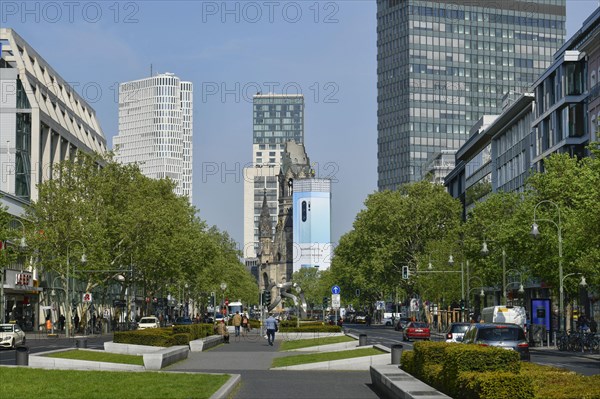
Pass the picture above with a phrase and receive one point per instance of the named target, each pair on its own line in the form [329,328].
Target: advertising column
[312,223]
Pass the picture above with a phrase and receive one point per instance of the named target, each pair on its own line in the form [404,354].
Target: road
[36,345]
[377,334]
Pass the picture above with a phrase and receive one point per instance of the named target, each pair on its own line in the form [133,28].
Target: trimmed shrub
[426,353]
[182,338]
[292,323]
[463,358]
[196,331]
[432,375]
[493,385]
[150,337]
[311,328]
[407,362]
[554,383]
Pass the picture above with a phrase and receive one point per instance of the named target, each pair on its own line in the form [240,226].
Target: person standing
[271,324]
[76,320]
[237,322]
[245,324]
[61,322]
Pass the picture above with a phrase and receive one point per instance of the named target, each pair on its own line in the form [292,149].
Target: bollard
[396,354]
[81,342]
[362,339]
[22,356]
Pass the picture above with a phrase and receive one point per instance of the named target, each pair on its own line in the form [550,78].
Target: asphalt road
[585,365]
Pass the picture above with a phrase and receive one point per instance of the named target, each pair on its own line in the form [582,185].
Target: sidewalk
[251,357]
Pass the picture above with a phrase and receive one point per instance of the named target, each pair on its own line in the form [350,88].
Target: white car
[148,322]
[11,335]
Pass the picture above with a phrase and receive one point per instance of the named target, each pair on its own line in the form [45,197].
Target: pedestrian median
[392,382]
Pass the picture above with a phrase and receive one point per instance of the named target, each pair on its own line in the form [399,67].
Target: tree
[391,232]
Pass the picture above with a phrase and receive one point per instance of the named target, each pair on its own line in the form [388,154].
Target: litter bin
[81,342]
[22,356]
[362,339]
[396,353]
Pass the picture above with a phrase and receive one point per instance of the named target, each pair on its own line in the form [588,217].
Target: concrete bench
[164,357]
[392,382]
[130,349]
[202,344]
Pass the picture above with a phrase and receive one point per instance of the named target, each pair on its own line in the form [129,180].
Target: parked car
[400,324]
[386,321]
[182,321]
[456,332]
[416,330]
[503,335]
[148,322]
[11,335]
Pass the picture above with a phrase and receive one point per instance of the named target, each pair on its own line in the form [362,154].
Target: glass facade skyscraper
[442,65]
[276,119]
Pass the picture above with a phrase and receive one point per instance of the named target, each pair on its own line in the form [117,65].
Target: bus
[233,307]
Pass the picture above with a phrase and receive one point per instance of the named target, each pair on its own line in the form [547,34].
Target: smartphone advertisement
[312,223]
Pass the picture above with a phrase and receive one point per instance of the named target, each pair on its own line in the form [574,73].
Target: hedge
[493,385]
[151,337]
[196,331]
[554,383]
[312,328]
[407,362]
[428,352]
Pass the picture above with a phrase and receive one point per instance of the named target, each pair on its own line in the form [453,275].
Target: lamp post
[22,245]
[69,307]
[485,252]
[582,283]
[223,288]
[535,233]
[451,263]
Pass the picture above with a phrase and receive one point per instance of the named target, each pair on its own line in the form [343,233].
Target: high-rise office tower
[277,118]
[442,65]
[155,128]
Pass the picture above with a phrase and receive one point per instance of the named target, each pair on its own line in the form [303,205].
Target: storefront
[21,298]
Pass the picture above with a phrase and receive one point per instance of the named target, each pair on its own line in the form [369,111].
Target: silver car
[148,322]
[503,335]
[11,335]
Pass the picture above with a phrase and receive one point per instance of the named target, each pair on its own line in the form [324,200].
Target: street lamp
[83,260]
[535,232]
[223,288]
[485,252]
[22,245]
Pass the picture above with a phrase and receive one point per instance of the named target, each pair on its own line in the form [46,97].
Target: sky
[325,50]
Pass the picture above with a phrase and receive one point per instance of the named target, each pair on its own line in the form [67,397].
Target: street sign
[106,314]
[335,301]
[87,297]
[335,290]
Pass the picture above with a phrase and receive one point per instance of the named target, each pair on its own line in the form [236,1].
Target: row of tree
[420,225]
[132,226]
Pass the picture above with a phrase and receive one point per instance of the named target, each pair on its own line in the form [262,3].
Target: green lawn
[305,343]
[24,382]
[98,356]
[323,357]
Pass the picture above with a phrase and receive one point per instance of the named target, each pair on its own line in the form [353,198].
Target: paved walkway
[251,357]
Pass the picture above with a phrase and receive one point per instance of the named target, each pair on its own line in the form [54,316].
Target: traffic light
[462,304]
[405,272]
[266,298]
[212,301]
[325,302]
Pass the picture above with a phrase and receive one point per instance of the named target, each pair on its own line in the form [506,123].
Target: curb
[227,388]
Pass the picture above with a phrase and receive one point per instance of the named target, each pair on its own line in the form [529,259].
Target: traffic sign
[335,301]
[335,290]
[87,297]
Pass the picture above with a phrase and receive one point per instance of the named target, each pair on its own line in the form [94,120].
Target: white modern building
[277,119]
[155,129]
[43,121]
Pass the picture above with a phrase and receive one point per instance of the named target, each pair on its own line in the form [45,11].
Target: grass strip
[72,384]
[306,343]
[98,356]
[324,357]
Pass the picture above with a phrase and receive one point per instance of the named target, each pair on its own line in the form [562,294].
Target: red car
[416,330]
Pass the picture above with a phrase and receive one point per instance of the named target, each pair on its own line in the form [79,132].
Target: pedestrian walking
[368,319]
[61,322]
[48,325]
[245,324]
[237,322]
[221,329]
[76,320]
[271,324]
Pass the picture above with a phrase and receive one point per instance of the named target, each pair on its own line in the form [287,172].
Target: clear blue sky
[229,49]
